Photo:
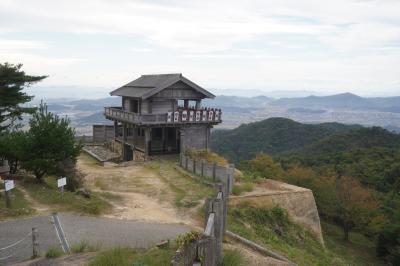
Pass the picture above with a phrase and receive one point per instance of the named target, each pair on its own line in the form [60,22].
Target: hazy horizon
[96,46]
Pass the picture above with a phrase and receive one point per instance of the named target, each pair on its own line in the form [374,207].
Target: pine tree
[12,82]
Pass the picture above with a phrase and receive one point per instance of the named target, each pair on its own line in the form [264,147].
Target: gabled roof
[148,85]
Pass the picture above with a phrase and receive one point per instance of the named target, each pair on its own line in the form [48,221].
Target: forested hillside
[354,172]
[273,136]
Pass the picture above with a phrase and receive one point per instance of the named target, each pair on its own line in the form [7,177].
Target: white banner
[62,182]
[9,184]
[169,117]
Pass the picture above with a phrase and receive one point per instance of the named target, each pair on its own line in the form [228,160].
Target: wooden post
[115,129]
[186,162]
[214,171]
[8,200]
[202,167]
[147,139]
[218,223]
[35,244]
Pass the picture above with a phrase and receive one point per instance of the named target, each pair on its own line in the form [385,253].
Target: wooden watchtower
[161,114]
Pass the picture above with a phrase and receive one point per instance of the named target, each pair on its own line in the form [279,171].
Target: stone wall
[299,204]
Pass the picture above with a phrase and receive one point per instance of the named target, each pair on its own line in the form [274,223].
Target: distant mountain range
[344,100]
[345,108]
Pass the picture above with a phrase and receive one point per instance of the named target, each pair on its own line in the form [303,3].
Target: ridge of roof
[147,85]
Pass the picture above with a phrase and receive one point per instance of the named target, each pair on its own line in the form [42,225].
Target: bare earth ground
[142,193]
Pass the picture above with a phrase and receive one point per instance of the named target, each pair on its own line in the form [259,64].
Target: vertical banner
[184,115]
[210,115]
[169,117]
[191,116]
[204,118]
[176,117]
[217,113]
[198,116]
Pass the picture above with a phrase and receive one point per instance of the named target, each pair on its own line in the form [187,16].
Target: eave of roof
[148,85]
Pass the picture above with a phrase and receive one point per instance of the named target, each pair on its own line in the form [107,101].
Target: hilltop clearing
[152,191]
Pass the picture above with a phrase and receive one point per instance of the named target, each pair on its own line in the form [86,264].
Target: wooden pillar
[124,151]
[186,104]
[164,132]
[115,129]
[147,141]
[198,104]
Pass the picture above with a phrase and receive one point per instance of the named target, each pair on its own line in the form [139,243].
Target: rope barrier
[12,255]
[16,243]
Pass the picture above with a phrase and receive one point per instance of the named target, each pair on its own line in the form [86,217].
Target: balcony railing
[180,116]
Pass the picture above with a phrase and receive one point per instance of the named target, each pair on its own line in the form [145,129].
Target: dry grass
[206,155]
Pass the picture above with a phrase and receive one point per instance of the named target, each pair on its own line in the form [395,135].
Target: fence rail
[183,116]
[211,170]
[207,250]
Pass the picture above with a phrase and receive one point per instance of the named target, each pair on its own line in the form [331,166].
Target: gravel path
[105,232]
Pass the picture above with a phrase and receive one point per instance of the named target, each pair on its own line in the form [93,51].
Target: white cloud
[21,45]
[283,44]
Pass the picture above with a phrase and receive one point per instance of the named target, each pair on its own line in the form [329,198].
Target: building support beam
[124,151]
[147,141]
[115,129]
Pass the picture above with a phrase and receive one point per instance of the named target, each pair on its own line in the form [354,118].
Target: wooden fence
[207,250]
[211,170]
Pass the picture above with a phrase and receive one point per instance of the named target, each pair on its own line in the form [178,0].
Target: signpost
[61,183]
[8,185]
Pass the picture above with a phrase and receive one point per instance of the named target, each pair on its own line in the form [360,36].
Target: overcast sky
[314,45]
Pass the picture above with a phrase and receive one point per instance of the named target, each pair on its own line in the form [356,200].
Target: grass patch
[47,193]
[188,192]
[271,227]
[89,160]
[233,258]
[245,187]
[121,256]
[206,155]
[84,246]
[54,252]
[19,205]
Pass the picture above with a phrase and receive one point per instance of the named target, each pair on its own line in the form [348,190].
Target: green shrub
[54,252]
[239,189]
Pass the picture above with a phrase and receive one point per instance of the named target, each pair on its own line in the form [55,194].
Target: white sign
[204,116]
[176,117]
[62,182]
[184,116]
[191,116]
[169,117]
[9,184]
[198,115]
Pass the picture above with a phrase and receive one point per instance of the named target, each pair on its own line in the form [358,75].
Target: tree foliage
[355,204]
[50,141]
[12,82]
[12,147]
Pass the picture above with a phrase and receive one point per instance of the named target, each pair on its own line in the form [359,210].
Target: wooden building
[161,114]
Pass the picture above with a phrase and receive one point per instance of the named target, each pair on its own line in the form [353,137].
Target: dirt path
[34,204]
[136,191]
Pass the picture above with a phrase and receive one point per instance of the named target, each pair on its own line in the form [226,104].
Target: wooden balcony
[181,116]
